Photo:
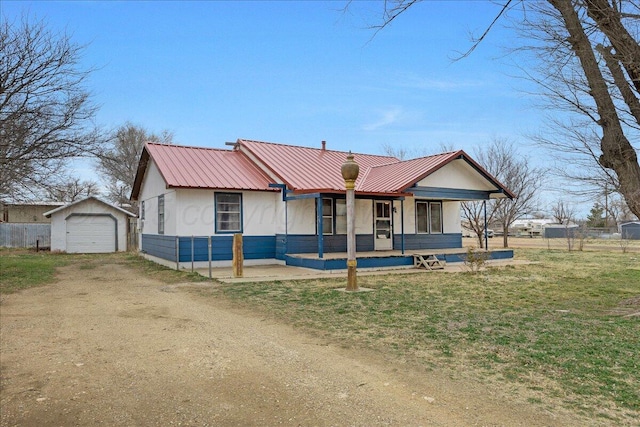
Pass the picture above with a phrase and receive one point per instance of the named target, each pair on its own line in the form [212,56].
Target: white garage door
[91,234]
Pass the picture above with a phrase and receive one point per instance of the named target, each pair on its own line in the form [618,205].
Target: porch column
[486,240]
[320,227]
[350,170]
[402,223]
[286,227]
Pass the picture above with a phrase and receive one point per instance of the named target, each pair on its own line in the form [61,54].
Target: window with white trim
[341,216]
[435,217]
[228,212]
[429,217]
[327,216]
[161,214]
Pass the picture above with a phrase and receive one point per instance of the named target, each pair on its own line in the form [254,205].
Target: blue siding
[160,246]
[428,241]
[308,243]
[449,193]
[630,230]
[386,261]
[253,247]
[341,263]
[559,232]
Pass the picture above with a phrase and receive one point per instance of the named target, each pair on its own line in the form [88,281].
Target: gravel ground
[109,346]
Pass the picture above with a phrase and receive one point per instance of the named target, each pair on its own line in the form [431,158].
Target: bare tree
[403,152]
[398,151]
[563,212]
[473,214]
[72,190]
[516,172]
[45,112]
[590,87]
[118,161]
[595,43]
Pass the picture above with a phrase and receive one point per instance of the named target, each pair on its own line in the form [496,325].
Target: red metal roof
[307,169]
[195,167]
[302,169]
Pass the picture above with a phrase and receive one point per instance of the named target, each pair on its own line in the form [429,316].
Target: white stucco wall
[409,216]
[364,216]
[59,223]
[451,215]
[260,213]
[195,212]
[153,185]
[302,216]
[457,174]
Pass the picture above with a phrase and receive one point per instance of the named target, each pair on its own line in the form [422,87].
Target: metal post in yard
[238,256]
[192,253]
[177,253]
[209,247]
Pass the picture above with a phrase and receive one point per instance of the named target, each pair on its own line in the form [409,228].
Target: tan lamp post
[350,170]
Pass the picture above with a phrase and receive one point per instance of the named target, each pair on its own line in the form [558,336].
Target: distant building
[529,227]
[27,212]
[556,231]
[630,230]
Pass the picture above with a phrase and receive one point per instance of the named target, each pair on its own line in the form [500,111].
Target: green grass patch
[22,269]
[564,325]
[160,272]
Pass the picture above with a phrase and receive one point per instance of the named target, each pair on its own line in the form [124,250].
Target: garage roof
[124,211]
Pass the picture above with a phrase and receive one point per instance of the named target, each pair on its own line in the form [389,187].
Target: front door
[383,240]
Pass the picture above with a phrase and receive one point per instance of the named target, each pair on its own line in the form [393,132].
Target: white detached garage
[89,226]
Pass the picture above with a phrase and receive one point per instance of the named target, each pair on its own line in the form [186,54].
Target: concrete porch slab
[272,273]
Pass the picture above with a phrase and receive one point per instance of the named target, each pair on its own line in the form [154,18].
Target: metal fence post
[177,253]
[209,245]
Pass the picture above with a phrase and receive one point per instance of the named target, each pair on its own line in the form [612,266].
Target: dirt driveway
[108,346]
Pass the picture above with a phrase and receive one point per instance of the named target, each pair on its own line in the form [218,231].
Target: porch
[384,259]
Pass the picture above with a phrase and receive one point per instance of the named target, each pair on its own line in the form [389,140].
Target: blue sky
[297,72]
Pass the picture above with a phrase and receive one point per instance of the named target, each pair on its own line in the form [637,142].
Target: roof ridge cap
[366,174]
[317,149]
[194,147]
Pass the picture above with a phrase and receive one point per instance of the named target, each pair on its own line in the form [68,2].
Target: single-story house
[288,200]
[630,230]
[89,226]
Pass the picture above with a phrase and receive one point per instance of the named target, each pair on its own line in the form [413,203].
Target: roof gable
[68,205]
[397,177]
[462,172]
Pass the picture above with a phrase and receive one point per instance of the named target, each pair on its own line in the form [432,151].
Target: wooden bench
[428,261]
